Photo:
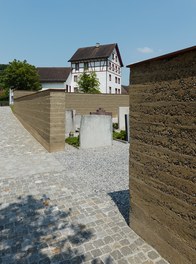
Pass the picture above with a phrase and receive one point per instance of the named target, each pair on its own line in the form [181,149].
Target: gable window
[110,77]
[77,66]
[116,58]
[75,78]
[86,66]
[113,56]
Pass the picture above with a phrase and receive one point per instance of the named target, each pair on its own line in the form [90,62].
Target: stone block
[70,121]
[95,131]
[121,117]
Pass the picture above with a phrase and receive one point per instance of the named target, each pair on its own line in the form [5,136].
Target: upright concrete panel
[77,122]
[121,117]
[95,131]
[70,121]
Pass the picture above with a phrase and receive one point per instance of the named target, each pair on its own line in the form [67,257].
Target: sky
[47,33]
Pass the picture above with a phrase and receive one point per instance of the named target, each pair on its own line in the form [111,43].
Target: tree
[20,75]
[88,83]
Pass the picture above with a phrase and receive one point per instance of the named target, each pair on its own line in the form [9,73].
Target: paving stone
[89,246]
[162,261]
[124,242]
[148,262]
[98,243]
[108,239]
[125,251]
[106,249]
[116,254]
[153,255]
[96,253]
[122,261]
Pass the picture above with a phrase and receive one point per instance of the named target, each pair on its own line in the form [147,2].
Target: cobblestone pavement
[47,216]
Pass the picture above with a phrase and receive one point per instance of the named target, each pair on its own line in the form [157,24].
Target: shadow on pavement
[35,231]
[122,200]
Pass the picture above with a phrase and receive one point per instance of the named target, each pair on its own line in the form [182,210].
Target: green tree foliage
[2,67]
[20,75]
[88,83]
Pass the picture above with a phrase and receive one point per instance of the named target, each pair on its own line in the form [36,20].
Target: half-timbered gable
[105,60]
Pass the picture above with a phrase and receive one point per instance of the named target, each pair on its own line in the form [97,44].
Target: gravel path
[103,171]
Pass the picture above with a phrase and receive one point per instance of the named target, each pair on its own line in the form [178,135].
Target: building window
[110,65]
[70,89]
[116,58]
[119,70]
[115,79]
[110,90]
[113,67]
[77,66]
[113,56]
[110,77]
[86,66]
[116,69]
[119,91]
[116,90]
[75,78]
[119,80]
[67,88]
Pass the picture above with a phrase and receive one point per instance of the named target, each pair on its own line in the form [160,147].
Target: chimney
[97,45]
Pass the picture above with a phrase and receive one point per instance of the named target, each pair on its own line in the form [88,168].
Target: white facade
[58,85]
[108,72]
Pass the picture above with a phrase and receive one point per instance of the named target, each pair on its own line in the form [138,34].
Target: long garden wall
[163,154]
[86,103]
[43,115]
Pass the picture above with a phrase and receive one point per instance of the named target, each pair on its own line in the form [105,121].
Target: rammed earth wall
[43,115]
[162,154]
[86,103]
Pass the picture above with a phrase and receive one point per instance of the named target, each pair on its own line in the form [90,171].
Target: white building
[105,60]
[55,78]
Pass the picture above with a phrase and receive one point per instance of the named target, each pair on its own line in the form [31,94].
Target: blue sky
[48,32]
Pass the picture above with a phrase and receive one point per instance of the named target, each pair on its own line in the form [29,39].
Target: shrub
[119,135]
[115,125]
[74,141]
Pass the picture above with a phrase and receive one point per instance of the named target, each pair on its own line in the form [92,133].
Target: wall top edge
[39,92]
[165,56]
